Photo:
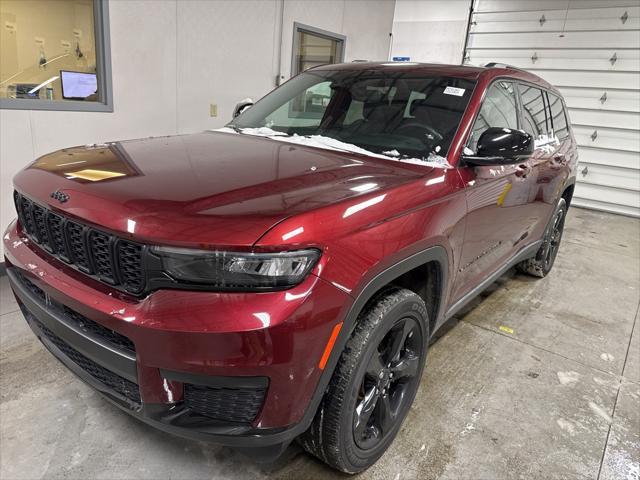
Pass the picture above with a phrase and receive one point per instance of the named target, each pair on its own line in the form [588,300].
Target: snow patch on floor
[607,357]
[567,378]
[598,410]
[567,426]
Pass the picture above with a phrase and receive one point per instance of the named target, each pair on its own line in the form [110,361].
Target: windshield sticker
[458,92]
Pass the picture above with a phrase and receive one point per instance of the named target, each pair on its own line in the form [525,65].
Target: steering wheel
[432,135]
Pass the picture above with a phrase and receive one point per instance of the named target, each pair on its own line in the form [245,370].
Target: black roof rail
[500,65]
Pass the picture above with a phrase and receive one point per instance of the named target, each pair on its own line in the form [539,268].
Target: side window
[558,117]
[498,110]
[534,115]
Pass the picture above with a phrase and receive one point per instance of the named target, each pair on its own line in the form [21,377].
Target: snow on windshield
[320,141]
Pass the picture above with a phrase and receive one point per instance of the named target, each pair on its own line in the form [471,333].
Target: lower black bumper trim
[110,358]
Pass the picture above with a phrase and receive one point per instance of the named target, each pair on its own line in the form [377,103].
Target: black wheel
[374,383]
[540,265]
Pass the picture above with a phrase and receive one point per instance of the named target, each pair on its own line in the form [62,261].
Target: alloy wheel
[552,239]
[391,374]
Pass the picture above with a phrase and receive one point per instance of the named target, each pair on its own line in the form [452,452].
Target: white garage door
[590,50]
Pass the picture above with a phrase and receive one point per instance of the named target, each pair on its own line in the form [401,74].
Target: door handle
[523,170]
[560,158]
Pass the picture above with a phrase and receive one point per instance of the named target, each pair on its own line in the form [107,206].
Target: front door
[499,214]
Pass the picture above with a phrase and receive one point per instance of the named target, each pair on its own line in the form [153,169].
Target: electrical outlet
[213,110]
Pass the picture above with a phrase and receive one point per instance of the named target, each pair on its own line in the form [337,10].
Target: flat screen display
[78,85]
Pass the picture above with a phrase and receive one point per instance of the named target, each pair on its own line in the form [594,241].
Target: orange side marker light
[329,347]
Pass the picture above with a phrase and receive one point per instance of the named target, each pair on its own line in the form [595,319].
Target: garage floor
[538,379]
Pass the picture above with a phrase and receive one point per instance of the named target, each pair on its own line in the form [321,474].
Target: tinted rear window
[534,117]
[558,117]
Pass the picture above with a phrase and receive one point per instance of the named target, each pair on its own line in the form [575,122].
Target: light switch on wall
[213,110]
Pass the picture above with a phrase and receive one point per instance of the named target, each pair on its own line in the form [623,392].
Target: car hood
[210,188]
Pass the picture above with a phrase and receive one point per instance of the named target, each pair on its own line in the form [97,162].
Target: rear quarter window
[534,115]
[558,117]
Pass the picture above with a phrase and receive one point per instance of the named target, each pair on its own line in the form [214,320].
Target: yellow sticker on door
[503,195]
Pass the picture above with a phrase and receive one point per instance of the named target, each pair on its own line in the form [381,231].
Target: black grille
[37,291]
[39,220]
[111,380]
[106,334]
[106,257]
[101,248]
[130,259]
[83,323]
[239,405]
[56,237]
[24,211]
[78,245]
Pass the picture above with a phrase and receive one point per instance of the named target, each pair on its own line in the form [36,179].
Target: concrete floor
[537,379]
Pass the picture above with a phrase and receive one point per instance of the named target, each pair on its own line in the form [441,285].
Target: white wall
[172,58]
[430,30]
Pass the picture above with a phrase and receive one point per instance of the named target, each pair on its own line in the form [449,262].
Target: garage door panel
[608,176]
[584,78]
[606,194]
[542,61]
[624,120]
[536,23]
[537,5]
[595,99]
[614,158]
[591,14]
[606,206]
[607,138]
[594,60]
[562,53]
[608,39]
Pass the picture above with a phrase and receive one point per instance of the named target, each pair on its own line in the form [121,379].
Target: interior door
[498,197]
[313,47]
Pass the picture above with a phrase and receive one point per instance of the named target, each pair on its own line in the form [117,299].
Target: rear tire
[373,385]
[540,265]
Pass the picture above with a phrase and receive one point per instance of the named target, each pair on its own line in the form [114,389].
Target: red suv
[281,277]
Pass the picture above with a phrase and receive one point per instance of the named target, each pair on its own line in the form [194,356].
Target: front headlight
[237,270]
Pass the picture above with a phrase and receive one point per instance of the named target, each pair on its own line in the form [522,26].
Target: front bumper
[169,357]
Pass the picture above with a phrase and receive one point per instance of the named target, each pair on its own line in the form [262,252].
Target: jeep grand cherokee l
[280,278]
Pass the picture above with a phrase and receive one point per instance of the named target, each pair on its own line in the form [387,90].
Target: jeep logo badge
[60,196]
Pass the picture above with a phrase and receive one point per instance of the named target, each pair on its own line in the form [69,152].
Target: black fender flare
[435,253]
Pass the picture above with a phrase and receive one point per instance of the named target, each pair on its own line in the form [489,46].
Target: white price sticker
[458,92]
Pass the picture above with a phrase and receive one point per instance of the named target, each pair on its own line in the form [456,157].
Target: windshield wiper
[234,128]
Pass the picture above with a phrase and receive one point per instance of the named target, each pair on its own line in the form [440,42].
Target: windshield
[397,114]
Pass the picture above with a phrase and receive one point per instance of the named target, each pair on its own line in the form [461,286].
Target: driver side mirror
[242,106]
[501,146]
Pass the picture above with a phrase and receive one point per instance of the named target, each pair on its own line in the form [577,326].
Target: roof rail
[500,65]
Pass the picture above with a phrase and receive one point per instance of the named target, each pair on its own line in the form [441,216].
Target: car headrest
[438,100]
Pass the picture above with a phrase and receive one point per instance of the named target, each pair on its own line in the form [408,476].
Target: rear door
[498,197]
[549,162]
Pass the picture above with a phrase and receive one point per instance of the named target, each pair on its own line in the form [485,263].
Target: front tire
[541,264]
[374,383]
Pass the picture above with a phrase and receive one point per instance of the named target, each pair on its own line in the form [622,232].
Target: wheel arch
[429,269]
[435,255]
[567,192]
